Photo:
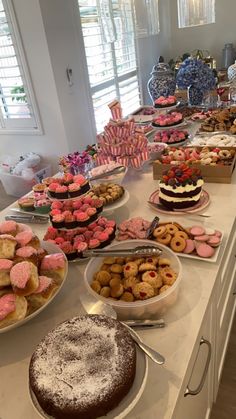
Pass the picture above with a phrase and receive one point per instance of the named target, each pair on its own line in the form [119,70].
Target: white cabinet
[196,399]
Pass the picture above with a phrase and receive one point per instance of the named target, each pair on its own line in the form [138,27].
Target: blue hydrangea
[194,72]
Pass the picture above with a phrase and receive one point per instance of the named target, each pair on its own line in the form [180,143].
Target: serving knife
[32,219]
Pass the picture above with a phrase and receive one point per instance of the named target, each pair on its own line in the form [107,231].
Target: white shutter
[194,13]
[17,106]
[112,66]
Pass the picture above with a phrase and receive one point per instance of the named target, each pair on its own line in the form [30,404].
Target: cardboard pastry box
[212,174]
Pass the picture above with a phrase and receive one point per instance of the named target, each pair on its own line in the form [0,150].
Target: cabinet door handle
[201,384]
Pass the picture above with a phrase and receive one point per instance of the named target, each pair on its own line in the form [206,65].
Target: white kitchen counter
[183,321]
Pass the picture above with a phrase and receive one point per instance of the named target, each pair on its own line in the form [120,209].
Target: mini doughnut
[181,234]
[103,277]
[96,286]
[152,278]
[117,291]
[164,288]
[178,244]
[127,296]
[164,239]
[105,292]
[159,231]
[114,281]
[163,262]
[116,269]
[168,276]
[147,267]
[190,246]
[203,238]
[204,250]
[197,231]
[224,154]
[214,241]
[171,229]
[143,291]
[130,269]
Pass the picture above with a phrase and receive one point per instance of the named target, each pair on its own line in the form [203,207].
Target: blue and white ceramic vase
[162,82]
[195,95]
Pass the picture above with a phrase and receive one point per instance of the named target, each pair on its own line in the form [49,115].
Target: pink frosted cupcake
[70,221]
[83,219]
[67,178]
[58,221]
[74,190]
[52,189]
[69,251]
[94,244]
[82,181]
[61,192]
[104,239]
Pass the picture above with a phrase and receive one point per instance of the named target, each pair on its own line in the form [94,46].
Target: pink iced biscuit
[210,231]
[44,283]
[26,251]
[197,231]
[214,241]
[7,305]
[24,237]
[190,246]
[203,238]
[7,227]
[5,264]
[204,250]
[54,261]
[20,274]
[122,237]
[218,233]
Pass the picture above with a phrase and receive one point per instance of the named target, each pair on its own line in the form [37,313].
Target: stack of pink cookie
[204,241]
[135,228]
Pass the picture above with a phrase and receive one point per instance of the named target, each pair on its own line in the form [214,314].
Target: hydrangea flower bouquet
[197,77]
[76,162]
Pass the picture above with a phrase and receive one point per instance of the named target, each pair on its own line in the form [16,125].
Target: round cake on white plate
[180,187]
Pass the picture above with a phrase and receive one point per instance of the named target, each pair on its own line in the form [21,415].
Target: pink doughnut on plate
[190,246]
[218,233]
[214,241]
[203,238]
[204,250]
[197,231]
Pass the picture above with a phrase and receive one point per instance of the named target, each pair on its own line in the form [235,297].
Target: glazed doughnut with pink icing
[24,278]
[53,266]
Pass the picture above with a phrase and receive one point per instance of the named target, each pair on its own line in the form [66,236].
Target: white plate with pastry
[118,203]
[26,307]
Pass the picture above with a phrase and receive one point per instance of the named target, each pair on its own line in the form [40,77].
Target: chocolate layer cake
[180,187]
[83,368]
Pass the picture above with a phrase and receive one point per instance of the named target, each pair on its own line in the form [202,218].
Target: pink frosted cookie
[203,238]
[204,250]
[197,231]
[218,233]
[214,241]
[190,246]
[24,237]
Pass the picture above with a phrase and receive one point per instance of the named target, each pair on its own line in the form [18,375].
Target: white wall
[206,37]
[53,142]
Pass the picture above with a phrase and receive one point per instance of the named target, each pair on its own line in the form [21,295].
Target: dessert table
[196,314]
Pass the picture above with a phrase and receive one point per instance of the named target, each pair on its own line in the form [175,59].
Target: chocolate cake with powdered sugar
[83,368]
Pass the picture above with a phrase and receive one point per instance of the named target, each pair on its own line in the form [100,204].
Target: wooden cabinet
[196,399]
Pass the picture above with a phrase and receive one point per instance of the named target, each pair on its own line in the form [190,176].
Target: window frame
[20,126]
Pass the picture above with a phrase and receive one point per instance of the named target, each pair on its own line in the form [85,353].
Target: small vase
[162,82]
[195,96]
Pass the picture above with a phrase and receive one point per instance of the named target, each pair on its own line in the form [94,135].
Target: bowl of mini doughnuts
[32,272]
[137,288]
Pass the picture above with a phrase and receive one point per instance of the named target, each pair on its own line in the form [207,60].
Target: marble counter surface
[183,321]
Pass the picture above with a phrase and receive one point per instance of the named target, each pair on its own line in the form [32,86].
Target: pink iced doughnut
[197,231]
[214,241]
[190,246]
[203,238]
[204,250]
[218,233]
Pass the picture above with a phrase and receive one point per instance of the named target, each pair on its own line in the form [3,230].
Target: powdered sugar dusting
[81,361]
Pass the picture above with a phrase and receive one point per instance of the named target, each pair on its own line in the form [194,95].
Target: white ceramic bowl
[116,178]
[152,307]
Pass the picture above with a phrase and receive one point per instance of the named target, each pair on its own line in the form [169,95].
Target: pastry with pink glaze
[45,291]
[24,278]
[12,309]
[54,266]
[5,267]
[24,237]
[7,246]
[9,227]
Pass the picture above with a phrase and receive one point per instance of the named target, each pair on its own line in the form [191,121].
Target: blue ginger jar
[162,82]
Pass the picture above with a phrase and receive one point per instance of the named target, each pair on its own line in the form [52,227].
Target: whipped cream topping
[181,189]
[173,199]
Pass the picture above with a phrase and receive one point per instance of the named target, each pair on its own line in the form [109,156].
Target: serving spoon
[98,307]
